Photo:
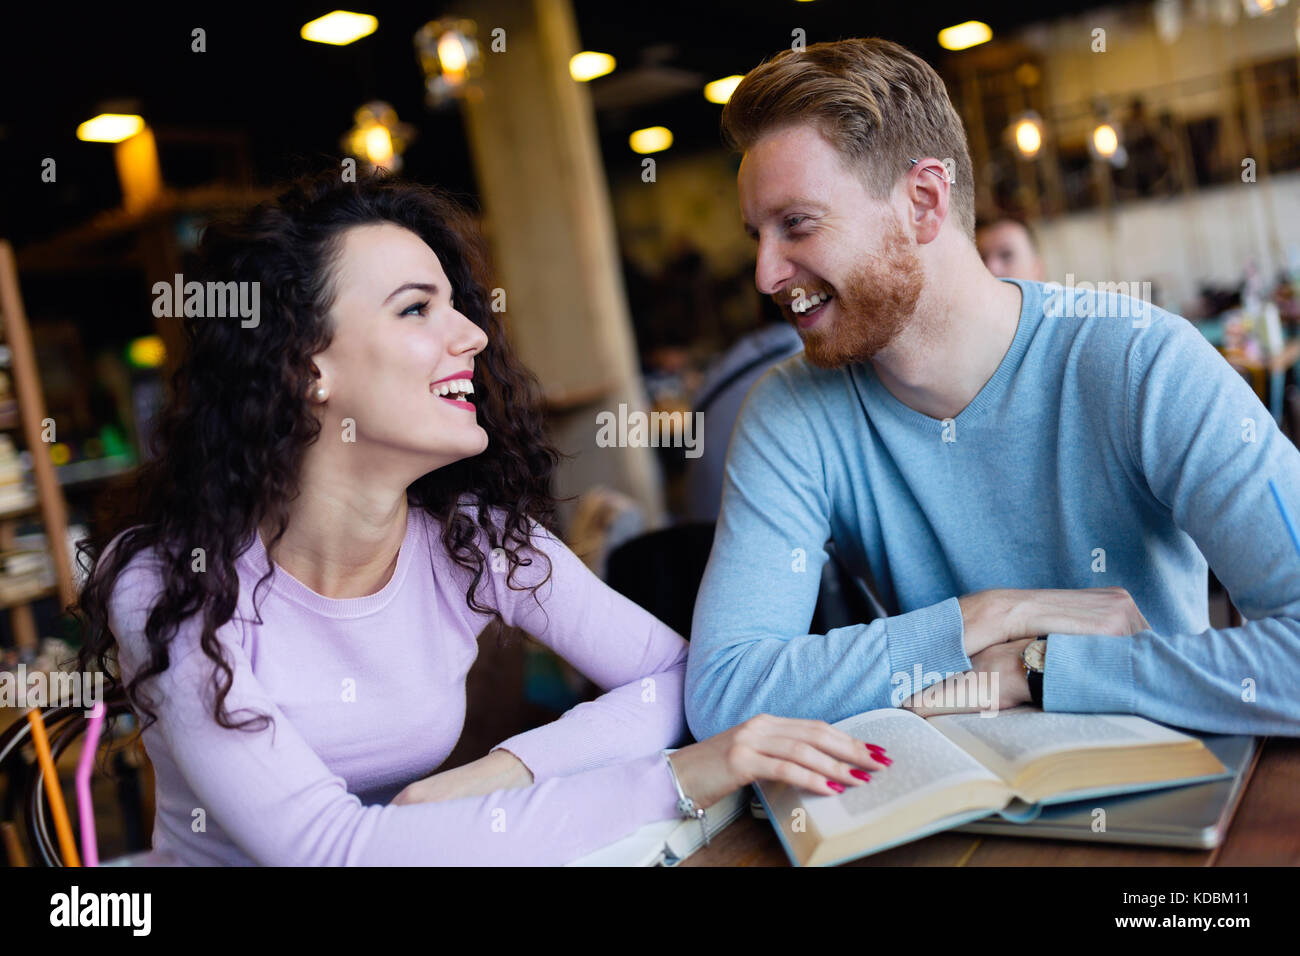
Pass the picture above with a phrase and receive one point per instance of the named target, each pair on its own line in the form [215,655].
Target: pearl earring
[320,393]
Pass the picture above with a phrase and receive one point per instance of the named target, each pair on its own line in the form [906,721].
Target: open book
[667,842]
[951,769]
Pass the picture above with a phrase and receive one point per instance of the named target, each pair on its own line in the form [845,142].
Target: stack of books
[14,491]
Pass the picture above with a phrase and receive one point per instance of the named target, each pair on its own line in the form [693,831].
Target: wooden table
[1265,831]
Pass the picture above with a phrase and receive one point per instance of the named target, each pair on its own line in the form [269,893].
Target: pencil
[52,790]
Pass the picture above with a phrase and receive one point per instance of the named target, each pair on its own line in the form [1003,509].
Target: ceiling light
[588,65]
[339,28]
[965,35]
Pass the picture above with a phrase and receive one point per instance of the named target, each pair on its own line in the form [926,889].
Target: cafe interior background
[1154,142]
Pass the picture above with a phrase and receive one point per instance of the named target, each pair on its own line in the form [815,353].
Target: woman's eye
[419,308]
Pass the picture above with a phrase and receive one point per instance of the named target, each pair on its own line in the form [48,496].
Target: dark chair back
[661,571]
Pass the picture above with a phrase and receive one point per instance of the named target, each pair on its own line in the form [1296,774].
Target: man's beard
[874,304]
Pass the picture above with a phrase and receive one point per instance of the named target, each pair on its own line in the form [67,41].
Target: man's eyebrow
[421,286]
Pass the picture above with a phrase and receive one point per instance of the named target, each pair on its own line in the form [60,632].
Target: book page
[923,761]
[1016,737]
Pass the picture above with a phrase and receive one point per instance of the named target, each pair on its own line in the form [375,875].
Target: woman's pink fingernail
[837,787]
[874,748]
[860,774]
[881,758]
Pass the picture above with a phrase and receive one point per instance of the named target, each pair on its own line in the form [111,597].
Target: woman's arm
[637,660]
[499,770]
[273,796]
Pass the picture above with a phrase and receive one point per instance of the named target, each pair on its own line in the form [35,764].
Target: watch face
[1034,654]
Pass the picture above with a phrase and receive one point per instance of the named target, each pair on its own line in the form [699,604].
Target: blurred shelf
[7,514]
[28,595]
[93,469]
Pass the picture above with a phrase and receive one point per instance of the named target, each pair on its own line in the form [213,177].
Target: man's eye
[419,308]
[792,221]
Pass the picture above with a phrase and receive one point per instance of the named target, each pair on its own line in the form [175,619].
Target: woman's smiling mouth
[449,389]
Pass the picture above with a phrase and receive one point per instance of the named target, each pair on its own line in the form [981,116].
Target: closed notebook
[951,769]
[667,842]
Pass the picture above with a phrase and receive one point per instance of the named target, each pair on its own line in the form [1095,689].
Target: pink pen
[85,765]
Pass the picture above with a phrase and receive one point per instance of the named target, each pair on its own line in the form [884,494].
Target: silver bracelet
[685,805]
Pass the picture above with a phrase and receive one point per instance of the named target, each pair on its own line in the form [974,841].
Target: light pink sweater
[368,695]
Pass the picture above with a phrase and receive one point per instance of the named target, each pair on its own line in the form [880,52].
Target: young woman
[342,495]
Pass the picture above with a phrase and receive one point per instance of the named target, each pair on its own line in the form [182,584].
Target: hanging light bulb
[1105,143]
[1027,133]
[1258,8]
[1105,140]
[377,137]
[449,56]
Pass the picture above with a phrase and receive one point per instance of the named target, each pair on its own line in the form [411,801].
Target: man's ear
[927,192]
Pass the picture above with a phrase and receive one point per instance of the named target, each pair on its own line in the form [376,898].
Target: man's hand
[1006,614]
[499,770]
[1005,678]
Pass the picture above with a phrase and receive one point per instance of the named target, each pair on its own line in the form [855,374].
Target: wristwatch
[1034,657]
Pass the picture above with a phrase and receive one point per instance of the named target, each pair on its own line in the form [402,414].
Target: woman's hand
[804,753]
[499,770]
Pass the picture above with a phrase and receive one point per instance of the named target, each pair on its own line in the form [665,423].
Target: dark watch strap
[1035,679]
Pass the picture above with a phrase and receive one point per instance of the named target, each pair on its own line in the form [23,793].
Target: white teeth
[460,386]
[805,305]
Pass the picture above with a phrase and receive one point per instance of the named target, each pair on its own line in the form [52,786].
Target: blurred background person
[719,397]
[1008,249]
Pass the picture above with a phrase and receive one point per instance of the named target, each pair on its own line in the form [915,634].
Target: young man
[1008,249]
[1009,460]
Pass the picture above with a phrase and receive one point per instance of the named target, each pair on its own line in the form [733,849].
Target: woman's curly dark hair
[236,423]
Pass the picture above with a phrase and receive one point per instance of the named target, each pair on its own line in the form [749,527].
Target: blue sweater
[1105,450]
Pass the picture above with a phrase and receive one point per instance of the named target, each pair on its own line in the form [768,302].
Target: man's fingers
[1084,611]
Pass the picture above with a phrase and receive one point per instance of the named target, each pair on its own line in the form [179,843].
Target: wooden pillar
[532,135]
[31,412]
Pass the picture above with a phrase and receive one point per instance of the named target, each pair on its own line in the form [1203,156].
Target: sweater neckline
[286,585]
[993,388]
